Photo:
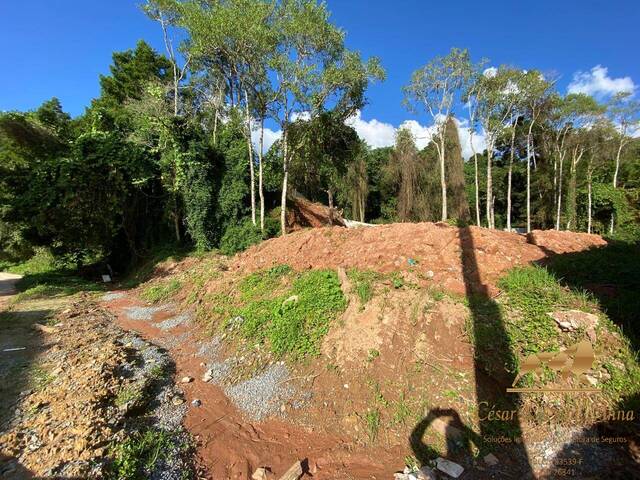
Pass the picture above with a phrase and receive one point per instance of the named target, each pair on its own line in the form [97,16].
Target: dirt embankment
[433,251]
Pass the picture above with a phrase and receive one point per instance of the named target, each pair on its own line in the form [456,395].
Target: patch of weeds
[138,455]
[363,284]
[52,284]
[298,327]
[411,462]
[401,411]
[397,281]
[159,292]
[373,354]
[128,394]
[332,367]
[452,394]
[39,377]
[372,423]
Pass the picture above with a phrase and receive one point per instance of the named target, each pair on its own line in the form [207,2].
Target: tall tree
[435,88]
[535,91]
[497,100]
[623,112]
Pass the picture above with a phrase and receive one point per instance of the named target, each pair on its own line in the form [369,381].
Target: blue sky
[58,48]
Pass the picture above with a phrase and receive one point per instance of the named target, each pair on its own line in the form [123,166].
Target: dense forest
[172,151]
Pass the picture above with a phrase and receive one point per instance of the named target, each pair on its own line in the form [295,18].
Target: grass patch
[291,311]
[39,378]
[362,281]
[372,423]
[534,292]
[128,394]
[159,292]
[137,456]
[53,284]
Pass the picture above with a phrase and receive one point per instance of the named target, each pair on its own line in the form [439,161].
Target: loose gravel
[173,322]
[144,313]
[110,297]
[262,395]
[210,350]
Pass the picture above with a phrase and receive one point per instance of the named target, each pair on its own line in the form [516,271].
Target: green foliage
[137,456]
[534,292]
[159,292]
[363,283]
[237,238]
[293,311]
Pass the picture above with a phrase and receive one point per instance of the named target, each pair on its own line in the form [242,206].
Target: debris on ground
[450,468]
[91,377]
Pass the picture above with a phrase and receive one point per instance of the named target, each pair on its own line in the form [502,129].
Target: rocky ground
[85,385]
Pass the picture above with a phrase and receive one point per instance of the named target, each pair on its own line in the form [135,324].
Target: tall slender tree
[435,88]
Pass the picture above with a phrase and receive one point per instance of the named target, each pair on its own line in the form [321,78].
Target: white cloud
[490,72]
[270,137]
[464,133]
[377,134]
[598,82]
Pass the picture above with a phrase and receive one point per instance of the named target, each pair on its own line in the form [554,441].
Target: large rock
[572,320]
[450,468]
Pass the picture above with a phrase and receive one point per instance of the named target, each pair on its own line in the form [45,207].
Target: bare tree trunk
[443,181]
[176,218]
[215,127]
[559,201]
[260,184]
[489,186]
[615,182]
[330,196]
[285,179]
[477,183]
[251,166]
[589,201]
[509,176]
[529,149]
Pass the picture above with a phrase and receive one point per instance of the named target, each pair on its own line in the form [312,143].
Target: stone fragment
[259,474]
[450,468]
[186,380]
[490,459]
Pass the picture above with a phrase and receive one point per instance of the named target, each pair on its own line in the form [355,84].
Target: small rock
[592,381]
[425,473]
[208,376]
[571,320]
[292,298]
[430,274]
[177,401]
[283,408]
[490,459]
[196,402]
[346,385]
[450,468]
[186,380]
[259,474]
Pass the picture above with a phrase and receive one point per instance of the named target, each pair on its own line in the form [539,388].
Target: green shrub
[136,457]
[157,293]
[239,237]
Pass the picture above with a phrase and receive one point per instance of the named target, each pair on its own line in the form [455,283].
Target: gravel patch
[209,350]
[263,394]
[174,341]
[173,322]
[143,313]
[572,442]
[220,371]
[109,297]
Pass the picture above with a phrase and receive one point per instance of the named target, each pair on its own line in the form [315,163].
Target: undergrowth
[160,291]
[139,454]
[290,311]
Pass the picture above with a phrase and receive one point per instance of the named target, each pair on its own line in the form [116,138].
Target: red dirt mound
[302,213]
[433,252]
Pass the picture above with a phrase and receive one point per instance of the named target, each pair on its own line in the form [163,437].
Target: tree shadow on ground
[612,275]
[494,370]
[20,346]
